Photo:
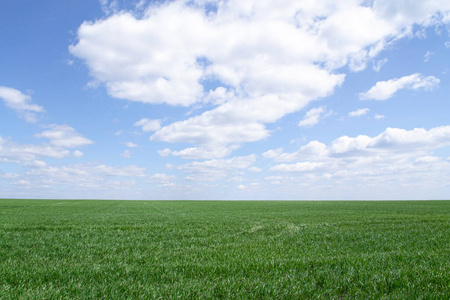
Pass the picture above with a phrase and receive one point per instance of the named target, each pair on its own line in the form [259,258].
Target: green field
[51,249]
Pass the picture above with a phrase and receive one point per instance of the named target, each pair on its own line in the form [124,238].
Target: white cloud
[358,112]
[148,125]
[126,154]
[216,169]
[23,183]
[77,153]
[204,152]
[36,164]
[379,117]
[391,145]
[314,150]
[273,153]
[255,169]
[9,175]
[161,177]
[427,56]
[165,152]
[85,176]
[127,171]
[384,90]
[23,153]
[266,59]
[64,136]
[163,180]
[109,6]
[131,145]
[21,103]
[397,163]
[298,167]
[377,66]
[216,127]
[427,159]
[313,116]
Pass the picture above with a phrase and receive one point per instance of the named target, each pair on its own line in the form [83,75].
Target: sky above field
[208,99]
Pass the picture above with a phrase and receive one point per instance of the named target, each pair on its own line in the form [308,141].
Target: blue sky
[207,99]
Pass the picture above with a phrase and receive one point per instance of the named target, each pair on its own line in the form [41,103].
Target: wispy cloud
[148,125]
[131,145]
[427,56]
[380,63]
[126,154]
[64,136]
[384,90]
[313,116]
[21,103]
[359,112]
[173,52]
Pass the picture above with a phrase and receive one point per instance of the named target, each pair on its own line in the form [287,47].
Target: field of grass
[53,249]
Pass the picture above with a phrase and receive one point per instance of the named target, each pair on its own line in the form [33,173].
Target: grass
[52,249]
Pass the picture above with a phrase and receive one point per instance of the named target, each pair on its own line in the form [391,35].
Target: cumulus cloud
[298,167]
[25,153]
[205,152]
[397,163]
[161,177]
[64,136]
[163,180]
[131,145]
[393,148]
[313,116]
[216,169]
[21,103]
[224,125]
[384,90]
[94,176]
[358,112]
[255,60]
[148,125]
[77,153]
[255,169]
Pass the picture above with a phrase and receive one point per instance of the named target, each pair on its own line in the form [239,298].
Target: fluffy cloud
[22,153]
[205,152]
[64,136]
[163,180]
[397,163]
[88,171]
[21,103]
[393,147]
[77,153]
[216,169]
[61,137]
[384,90]
[131,145]
[358,112]
[256,60]
[313,116]
[298,167]
[148,125]
[161,177]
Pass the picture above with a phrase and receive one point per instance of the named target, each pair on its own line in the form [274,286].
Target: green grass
[53,249]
